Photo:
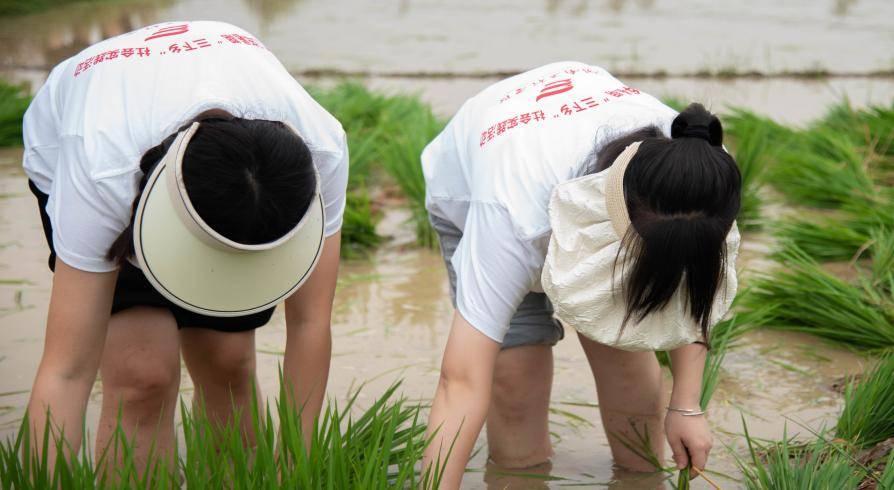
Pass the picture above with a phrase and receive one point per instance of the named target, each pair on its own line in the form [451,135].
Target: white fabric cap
[588,216]
[200,270]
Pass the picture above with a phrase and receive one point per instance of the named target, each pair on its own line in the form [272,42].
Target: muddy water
[463,36]
[391,318]
[392,311]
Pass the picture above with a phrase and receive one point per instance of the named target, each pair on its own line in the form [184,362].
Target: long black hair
[682,195]
[249,180]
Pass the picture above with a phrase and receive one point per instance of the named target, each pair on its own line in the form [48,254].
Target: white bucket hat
[588,216]
[202,271]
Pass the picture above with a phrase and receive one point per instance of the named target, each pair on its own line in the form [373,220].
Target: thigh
[626,381]
[142,352]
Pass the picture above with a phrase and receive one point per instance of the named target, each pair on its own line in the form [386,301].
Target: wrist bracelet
[687,412]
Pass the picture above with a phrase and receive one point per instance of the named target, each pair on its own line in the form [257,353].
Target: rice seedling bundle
[822,168]
[386,136]
[14,102]
[868,414]
[786,466]
[377,449]
[412,125]
[801,296]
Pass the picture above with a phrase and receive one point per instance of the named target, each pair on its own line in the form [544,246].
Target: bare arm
[80,306]
[689,437]
[308,335]
[462,398]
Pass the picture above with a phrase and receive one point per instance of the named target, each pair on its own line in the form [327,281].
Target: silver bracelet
[687,412]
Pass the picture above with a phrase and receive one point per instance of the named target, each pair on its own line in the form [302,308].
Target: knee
[144,381]
[233,368]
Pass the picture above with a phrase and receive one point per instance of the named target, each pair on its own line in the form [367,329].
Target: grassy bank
[377,449]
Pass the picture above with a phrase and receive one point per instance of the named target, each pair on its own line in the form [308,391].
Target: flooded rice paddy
[390,321]
[392,310]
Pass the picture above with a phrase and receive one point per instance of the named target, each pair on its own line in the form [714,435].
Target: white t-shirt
[100,110]
[492,169]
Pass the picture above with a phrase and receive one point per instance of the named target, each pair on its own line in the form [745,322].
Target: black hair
[250,180]
[682,195]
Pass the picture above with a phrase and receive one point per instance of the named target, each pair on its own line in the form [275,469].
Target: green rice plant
[822,168]
[377,449]
[842,235]
[871,129]
[868,415]
[786,466]
[755,139]
[886,479]
[14,100]
[386,135]
[801,296]
[412,126]
[358,230]
[360,112]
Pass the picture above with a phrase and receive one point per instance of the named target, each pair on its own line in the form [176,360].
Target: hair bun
[696,122]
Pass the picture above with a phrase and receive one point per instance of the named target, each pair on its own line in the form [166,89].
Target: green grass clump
[786,466]
[386,135]
[377,449]
[822,168]
[868,415]
[413,125]
[801,296]
[755,141]
[14,100]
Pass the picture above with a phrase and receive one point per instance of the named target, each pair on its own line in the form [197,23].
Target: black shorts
[133,289]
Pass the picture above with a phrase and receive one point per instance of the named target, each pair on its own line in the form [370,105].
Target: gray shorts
[533,322]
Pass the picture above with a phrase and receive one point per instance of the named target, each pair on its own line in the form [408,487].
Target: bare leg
[629,389]
[518,419]
[222,366]
[140,376]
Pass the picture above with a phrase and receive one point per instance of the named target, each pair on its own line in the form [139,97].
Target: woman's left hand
[689,437]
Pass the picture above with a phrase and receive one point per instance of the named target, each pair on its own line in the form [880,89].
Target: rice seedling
[755,141]
[870,129]
[801,296]
[386,135]
[377,449]
[868,414]
[14,100]
[784,465]
[413,125]
[822,168]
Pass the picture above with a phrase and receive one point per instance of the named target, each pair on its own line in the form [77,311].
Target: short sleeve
[40,132]
[87,215]
[494,270]
[333,185]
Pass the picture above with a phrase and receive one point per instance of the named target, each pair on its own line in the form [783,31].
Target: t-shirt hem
[83,263]
[476,322]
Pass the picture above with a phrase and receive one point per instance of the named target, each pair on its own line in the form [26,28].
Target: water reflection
[269,11]
[843,7]
[41,40]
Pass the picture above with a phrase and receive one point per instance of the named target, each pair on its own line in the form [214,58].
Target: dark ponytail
[682,195]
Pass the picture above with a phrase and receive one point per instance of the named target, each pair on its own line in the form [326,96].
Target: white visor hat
[588,216]
[202,271]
